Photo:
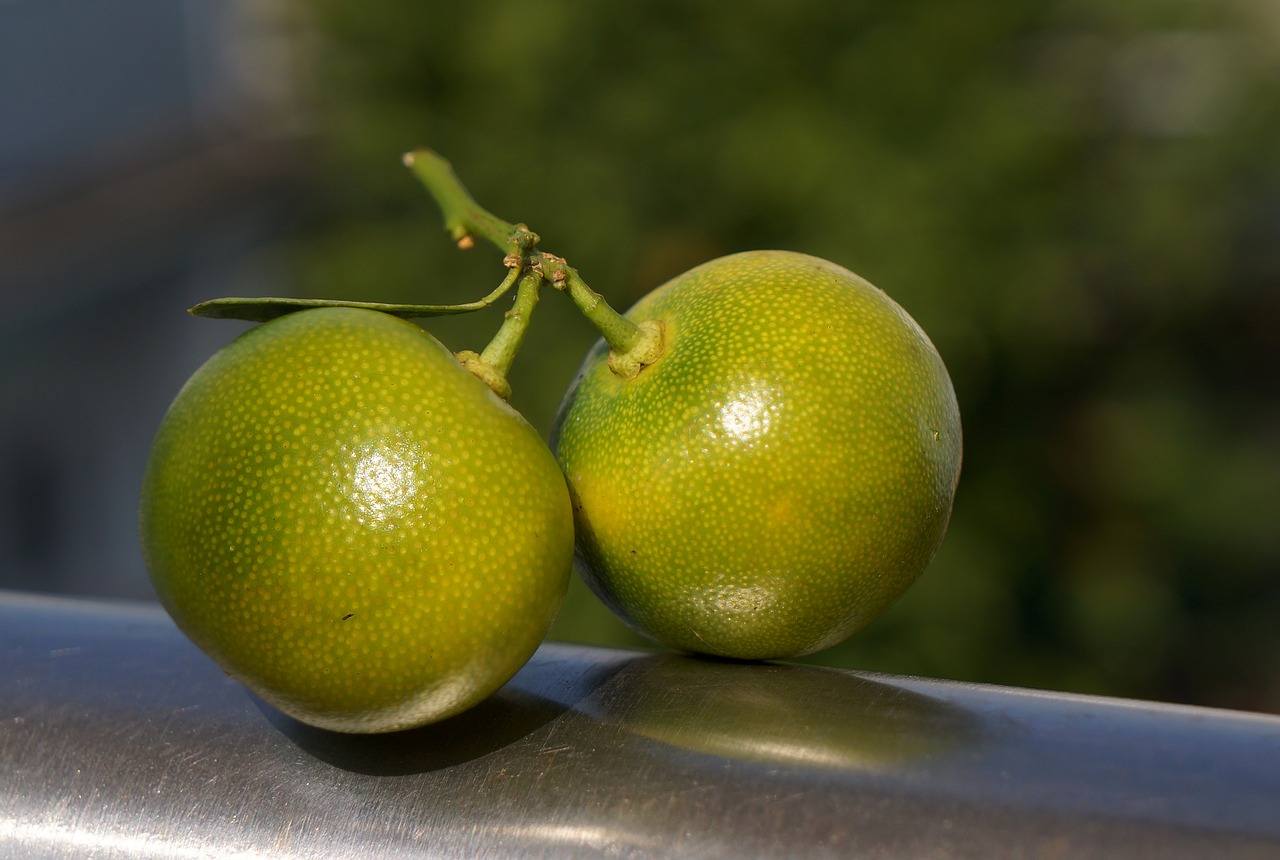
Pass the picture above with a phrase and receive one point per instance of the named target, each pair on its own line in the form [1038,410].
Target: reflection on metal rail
[119,738]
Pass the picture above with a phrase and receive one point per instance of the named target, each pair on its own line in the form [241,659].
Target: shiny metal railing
[119,739]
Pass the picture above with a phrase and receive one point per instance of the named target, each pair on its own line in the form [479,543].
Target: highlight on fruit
[754,462]
[779,476]
[353,525]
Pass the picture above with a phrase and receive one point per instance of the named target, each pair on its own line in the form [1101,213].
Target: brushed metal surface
[119,739]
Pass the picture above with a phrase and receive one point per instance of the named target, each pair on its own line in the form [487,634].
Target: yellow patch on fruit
[779,476]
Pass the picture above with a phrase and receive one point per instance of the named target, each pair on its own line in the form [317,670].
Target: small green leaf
[263,309]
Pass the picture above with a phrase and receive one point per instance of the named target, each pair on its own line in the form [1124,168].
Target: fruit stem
[493,365]
[464,218]
[501,351]
[633,347]
[620,332]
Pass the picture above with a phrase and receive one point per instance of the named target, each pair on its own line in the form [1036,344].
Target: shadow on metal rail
[119,738]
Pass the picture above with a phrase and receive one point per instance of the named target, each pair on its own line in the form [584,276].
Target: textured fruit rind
[782,473]
[353,525]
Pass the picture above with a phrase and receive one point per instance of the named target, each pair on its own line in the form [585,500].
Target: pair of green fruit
[367,536]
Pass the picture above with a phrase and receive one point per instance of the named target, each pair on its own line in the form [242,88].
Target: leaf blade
[269,308]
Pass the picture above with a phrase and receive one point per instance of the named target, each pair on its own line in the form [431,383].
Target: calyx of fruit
[646,350]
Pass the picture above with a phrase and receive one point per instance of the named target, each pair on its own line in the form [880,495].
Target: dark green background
[1079,201]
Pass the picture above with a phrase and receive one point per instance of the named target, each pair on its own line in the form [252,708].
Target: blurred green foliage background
[1078,199]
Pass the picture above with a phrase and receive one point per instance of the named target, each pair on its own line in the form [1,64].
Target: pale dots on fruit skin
[361,534]
[696,498]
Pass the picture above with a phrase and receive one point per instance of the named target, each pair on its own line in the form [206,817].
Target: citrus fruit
[779,476]
[352,524]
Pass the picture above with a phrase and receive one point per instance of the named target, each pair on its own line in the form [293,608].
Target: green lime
[779,476]
[353,525]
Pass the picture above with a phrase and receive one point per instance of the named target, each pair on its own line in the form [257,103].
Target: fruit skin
[352,525]
[779,476]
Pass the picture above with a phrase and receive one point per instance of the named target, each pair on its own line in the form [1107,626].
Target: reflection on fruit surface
[779,476]
[353,525]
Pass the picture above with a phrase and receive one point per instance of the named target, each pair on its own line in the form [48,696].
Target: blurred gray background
[1078,199]
[145,162]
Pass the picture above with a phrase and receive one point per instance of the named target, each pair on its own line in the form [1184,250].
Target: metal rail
[119,739]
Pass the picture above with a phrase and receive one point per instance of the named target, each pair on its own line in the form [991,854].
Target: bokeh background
[1078,199]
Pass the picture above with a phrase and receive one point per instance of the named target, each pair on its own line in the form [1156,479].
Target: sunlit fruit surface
[353,525]
[779,476]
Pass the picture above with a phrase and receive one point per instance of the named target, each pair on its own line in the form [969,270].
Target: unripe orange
[352,524]
[779,476]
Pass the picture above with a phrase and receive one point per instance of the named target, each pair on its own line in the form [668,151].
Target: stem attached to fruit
[632,347]
[493,365]
[502,350]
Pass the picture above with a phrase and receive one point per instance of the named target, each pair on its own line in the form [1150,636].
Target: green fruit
[779,476]
[353,525]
